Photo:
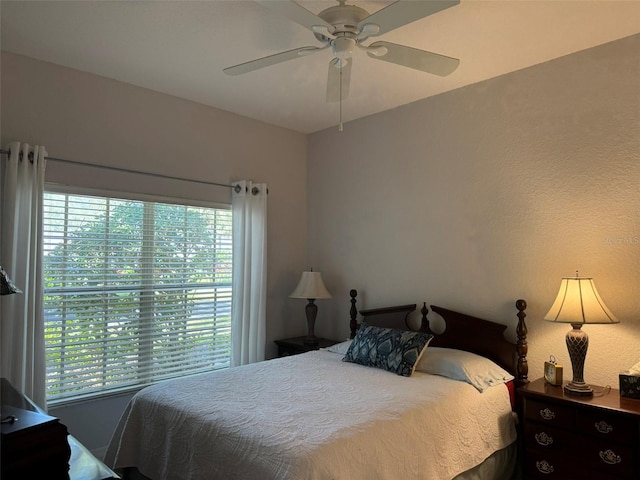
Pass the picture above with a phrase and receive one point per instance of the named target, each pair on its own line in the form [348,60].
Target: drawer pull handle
[603,427]
[547,414]
[543,439]
[544,467]
[609,457]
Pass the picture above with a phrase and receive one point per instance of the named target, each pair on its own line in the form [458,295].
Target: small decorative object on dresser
[571,437]
[311,287]
[553,371]
[293,346]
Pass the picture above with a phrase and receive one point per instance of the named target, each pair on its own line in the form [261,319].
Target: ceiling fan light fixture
[343,47]
[340,63]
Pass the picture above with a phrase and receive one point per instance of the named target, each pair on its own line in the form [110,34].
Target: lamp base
[577,343]
[580,389]
[311,310]
[310,340]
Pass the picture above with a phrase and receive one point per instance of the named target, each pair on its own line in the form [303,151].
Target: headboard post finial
[353,312]
[424,324]
[521,346]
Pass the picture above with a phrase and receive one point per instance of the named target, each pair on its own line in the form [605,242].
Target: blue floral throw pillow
[396,351]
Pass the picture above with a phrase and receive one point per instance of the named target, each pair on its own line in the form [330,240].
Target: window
[135,292]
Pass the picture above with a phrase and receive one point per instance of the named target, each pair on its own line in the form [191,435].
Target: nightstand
[572,437]
[33,445]
[293,346]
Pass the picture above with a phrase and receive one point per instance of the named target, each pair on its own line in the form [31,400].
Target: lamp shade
[6,285]
[311,286]
[578,302]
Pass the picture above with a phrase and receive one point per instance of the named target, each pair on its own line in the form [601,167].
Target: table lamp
[578,303]
[311,287]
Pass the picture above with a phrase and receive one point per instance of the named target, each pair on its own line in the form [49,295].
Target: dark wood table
[296,345]
[37,445]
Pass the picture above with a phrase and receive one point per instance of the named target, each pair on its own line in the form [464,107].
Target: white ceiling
[181,47]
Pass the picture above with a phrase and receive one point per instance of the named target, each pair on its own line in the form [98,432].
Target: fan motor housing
[344,18]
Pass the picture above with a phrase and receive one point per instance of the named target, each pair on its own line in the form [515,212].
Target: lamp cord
[604,391]
[340,126]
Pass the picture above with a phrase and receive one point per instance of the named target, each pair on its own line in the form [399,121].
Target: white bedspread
[311,416]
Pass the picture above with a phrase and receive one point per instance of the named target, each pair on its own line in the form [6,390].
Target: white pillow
[340,348]
[464,366]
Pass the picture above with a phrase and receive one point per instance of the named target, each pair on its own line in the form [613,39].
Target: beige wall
[91,119]
[490,193]
[87,118]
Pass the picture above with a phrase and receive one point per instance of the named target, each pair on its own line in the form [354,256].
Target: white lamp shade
[578,302]
[311,286]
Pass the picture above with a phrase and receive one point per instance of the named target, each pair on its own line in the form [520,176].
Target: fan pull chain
[340,128]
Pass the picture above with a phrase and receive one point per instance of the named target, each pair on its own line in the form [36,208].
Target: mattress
[311,416]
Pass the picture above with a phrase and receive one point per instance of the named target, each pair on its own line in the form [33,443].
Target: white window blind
[135,292]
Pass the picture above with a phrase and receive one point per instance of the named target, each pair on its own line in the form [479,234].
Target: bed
[315,416]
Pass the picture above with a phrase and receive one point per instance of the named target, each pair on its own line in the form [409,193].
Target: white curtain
[248,319]
[22,322]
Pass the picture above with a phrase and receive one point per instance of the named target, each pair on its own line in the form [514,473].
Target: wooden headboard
[462,331]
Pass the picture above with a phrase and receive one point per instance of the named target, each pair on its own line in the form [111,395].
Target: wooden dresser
[34,445]
[37,446]
[571,437]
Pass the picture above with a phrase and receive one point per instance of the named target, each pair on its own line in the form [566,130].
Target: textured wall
[490,193]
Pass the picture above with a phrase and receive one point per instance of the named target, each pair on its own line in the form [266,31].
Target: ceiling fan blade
[403,12]
[335,79]
[270,60]
[414,58]
[297,13]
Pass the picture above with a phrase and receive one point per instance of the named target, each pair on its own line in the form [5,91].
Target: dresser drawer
[547,437]
[549,413]
[555,466]
[607,426]
[608,457]
[552,450]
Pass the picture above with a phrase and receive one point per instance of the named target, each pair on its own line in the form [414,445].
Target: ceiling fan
[343,28]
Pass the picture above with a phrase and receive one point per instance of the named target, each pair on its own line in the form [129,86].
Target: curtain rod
[237,188]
